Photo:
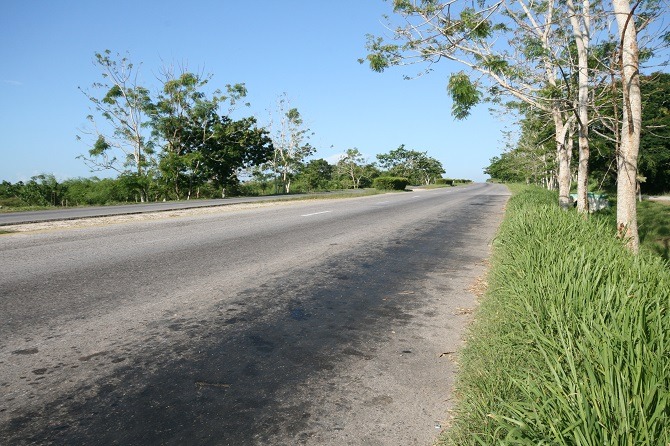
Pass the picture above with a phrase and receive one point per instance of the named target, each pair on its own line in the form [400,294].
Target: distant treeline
[179,138]
[314,176]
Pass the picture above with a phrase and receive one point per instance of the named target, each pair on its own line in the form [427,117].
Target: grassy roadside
[654,222]
[347,193]
[571,344]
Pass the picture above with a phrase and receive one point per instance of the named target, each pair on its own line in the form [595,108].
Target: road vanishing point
[320,322]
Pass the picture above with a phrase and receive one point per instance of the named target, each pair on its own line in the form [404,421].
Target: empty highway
[325,322]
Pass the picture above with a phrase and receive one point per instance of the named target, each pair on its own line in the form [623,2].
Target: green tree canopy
[417,167]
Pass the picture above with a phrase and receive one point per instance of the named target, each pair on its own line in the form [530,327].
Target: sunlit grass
[571,345]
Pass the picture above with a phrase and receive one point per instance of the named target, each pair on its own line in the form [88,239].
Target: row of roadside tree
[531,158]
[575,65]
[352,171]
[183,139]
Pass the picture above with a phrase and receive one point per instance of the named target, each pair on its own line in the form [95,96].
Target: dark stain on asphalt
[245,367]
[91,356]
[299,314]
[27,351]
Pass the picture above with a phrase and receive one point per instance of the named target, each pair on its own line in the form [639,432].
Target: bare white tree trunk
[563,155]
[630,129]
[581,24]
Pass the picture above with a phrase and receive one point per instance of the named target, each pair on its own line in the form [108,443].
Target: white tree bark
[630,129]
[581,24]
[563,155]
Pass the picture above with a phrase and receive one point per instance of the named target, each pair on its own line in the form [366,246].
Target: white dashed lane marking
[315,213]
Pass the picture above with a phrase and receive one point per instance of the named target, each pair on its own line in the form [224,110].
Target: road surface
[329,322]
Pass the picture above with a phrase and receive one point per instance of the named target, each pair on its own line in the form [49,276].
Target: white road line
[315,213]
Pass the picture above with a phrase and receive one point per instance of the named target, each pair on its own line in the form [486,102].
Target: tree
[199,144]
[654,160]
[530,159]
[352,166]
[289,138]
[416,166]
[317,174]
[235,145]
[123,105]
[581,28]
[500,44]
[627,156]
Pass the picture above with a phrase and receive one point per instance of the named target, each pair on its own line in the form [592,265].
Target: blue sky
[307,49]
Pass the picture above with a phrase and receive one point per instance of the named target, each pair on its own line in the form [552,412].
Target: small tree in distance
[124,142]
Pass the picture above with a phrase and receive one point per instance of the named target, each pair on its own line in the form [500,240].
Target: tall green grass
[654,224]
[571,345]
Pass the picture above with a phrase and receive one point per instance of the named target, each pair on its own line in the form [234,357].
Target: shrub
[447,181]
[12,202]
[390,183]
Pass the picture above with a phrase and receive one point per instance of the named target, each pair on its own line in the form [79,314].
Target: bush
[446,181]
[390,183]
[571,342]
[12,202]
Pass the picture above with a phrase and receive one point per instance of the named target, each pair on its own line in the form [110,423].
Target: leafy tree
[508,50]
[516,49]
[42,190]
[235,145]
[123,105]
[631,124]
[317,174]
[416,166]
[199,144]
[182,120]
[289,138]
[351,165]
[9,190]
[654,162]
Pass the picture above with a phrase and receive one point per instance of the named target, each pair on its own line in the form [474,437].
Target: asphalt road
[329,322]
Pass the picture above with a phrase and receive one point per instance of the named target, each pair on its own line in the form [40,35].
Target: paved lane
[298,323]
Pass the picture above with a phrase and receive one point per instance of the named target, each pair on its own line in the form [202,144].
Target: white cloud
[11,82]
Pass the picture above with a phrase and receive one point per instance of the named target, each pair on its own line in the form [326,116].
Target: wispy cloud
[11,82]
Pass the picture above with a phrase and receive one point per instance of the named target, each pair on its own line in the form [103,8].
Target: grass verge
[571,344]
[654,227]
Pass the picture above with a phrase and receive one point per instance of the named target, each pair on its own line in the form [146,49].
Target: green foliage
[417,167]
[390,183]
[352,169]
[99,147]
[290,143]
[570,345]
[200,149]
[533,158]
[653,219]
[445,181]
[464,95]
[381,55]
[474,24]
[654,227]
[317,174]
